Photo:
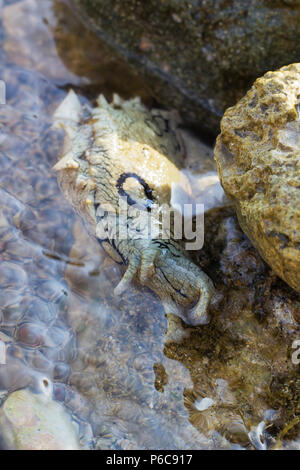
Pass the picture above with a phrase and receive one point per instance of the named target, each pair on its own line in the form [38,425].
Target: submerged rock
[47,38]
[32,421]
[199,57]
[35,239]
[257,155]
[149,390]
[244,359]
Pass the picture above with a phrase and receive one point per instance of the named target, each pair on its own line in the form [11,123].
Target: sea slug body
[122,152]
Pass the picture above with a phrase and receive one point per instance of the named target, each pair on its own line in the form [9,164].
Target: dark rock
[198,56]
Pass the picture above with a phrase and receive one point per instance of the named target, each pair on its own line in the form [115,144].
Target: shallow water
[112,364]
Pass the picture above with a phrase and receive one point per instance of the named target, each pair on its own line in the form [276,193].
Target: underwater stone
[198,57]
[31,421]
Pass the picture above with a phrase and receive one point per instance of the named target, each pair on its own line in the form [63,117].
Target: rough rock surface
[202,56]
[257,155]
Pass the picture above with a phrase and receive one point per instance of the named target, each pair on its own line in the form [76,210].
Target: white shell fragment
[204,404]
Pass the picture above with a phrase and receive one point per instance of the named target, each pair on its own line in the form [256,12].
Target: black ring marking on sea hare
[147,190]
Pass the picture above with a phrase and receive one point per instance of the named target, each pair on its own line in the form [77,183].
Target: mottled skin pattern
[122,149]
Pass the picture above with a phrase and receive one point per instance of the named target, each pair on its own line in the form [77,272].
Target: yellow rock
[257,155]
